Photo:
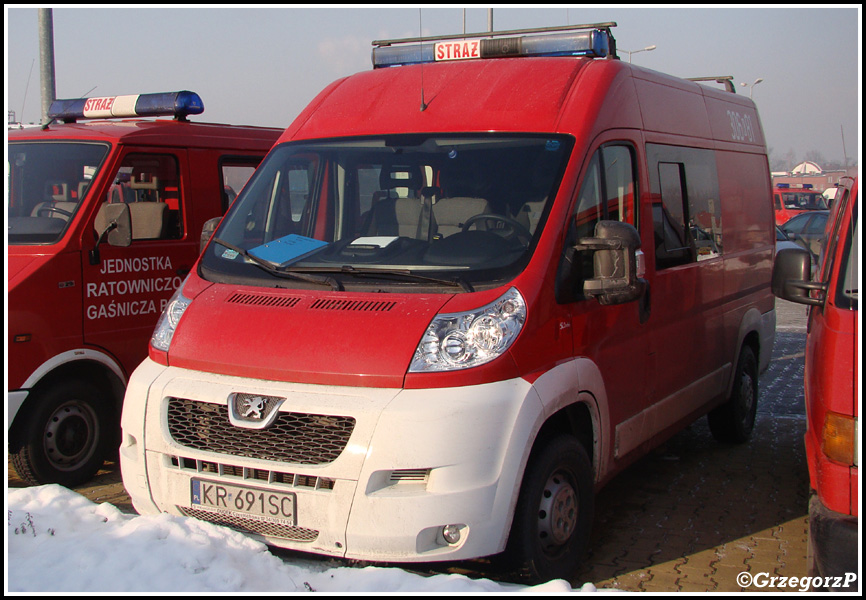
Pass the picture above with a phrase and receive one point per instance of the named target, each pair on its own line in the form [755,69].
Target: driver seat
[57,196]
[452,213]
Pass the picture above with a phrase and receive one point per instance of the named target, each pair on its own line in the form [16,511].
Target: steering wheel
[511,229]
[51,209]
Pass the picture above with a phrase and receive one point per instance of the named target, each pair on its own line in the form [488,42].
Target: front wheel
[61,438]
[553,518]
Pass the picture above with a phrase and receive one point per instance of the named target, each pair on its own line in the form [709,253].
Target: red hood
[363,339]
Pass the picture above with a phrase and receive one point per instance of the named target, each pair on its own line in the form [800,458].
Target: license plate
[246,501]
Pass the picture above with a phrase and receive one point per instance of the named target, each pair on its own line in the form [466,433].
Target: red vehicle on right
[789,202]
[832,406]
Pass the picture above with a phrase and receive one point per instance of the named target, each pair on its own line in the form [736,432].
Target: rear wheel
[61,436]
[733,421]
[554,512]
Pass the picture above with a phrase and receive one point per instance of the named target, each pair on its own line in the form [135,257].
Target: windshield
[410,211]
[47,182]
[804,201]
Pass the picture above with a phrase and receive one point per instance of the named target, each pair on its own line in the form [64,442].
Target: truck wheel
[733,421]
[554,513]
[62,436]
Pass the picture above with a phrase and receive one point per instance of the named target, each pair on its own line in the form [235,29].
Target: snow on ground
[59,541]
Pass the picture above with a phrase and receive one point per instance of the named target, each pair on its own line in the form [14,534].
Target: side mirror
[617,263]
[207,232]
[792,277]
[113,222]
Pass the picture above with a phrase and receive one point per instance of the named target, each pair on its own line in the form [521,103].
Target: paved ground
[694,514]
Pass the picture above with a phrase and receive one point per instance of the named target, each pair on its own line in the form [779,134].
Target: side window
[150,185]
[817,225]
[368,185]
[234,173]
[285,205]
[619,184]
[687,215]
[796,224]
[608,192]
[588,208]
[669,218]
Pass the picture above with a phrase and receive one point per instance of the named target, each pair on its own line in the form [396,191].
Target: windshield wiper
[295,275]
[398,273]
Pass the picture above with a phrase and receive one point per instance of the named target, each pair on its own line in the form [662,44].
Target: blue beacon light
[592,43]
[175,104]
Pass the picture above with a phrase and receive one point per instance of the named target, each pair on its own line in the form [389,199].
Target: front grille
[247,525]
[234,471]
[294,437]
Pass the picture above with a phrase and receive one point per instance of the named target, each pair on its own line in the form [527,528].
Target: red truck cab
[104,222]
[790,201]
[832,406]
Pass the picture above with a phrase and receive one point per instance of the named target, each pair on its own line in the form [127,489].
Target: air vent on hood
[359,305]
[263,300]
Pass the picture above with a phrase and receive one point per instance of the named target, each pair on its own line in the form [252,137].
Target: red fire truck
[790,201]
[104,222]
[446,309]
[832,397]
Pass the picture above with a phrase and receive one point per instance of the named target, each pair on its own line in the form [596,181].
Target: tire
[62,435]
[733,421]
[553,517]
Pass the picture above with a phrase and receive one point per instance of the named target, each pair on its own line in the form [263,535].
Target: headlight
[468,339]
[169,319]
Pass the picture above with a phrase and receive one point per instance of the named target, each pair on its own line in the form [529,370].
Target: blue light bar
[807,186]
[175,104]
[593,43]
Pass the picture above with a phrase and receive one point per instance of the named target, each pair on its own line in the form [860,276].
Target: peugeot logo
[253,407]
[253,411]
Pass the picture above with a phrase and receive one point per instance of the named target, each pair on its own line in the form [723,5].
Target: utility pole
[46,59]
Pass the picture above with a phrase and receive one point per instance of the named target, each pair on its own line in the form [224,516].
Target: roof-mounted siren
[175,104]
[593,40]
[726,80]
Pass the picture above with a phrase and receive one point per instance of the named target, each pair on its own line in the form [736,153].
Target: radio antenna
[421,34]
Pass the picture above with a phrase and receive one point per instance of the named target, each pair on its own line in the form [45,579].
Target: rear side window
[687,215]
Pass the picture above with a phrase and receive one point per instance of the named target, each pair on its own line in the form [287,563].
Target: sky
[261,65]
[59,541]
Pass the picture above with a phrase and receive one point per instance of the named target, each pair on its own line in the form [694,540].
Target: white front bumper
[416,460]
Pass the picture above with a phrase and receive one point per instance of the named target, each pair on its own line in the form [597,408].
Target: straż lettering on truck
[435,332]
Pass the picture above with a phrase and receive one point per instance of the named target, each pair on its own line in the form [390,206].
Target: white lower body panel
[414,461]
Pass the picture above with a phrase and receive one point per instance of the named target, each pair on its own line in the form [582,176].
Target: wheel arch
[90,365]
[574,402]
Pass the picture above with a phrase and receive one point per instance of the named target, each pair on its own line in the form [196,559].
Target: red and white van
[790,201]
[445,310]
[104,222]
[832,397]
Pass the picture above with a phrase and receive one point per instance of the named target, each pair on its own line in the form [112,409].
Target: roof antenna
[421,35]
